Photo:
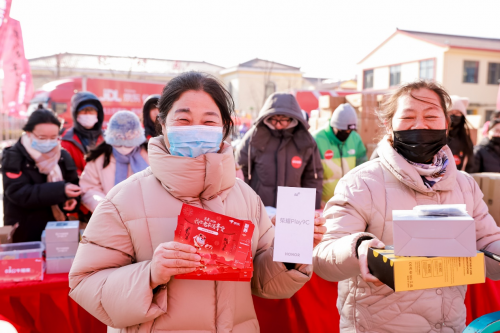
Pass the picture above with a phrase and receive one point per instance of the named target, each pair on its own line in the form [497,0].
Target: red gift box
[21,270]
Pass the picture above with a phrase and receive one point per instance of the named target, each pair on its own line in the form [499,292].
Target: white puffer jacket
[362,205]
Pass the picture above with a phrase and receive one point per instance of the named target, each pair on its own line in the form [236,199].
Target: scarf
[134,159]
[203,181]
[434,172]
[47,164]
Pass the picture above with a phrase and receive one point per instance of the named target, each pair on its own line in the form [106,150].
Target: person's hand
[72,190]
[170,259]
[70,205]
[363,260]
[319,228]
[273,220]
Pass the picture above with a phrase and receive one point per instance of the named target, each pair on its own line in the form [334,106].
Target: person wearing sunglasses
[279,151]
[40,180]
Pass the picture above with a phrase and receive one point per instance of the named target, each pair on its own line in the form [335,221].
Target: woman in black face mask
[487,153]
[415,167]
[459,139]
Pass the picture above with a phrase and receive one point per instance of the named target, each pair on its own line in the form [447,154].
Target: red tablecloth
[314,308]
[45,307]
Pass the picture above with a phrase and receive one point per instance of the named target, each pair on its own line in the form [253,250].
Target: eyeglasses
[282,121]
[44,138]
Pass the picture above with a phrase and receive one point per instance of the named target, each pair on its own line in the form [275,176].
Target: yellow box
[414,273]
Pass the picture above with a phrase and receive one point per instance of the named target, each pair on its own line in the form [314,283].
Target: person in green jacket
[340,147]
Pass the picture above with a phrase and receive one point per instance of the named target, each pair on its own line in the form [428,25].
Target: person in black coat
[487,153]
[40,180]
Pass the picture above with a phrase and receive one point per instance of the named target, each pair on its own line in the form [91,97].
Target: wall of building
[250,93]
[482,96]
[400,50]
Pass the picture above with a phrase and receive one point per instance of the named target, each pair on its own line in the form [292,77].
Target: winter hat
[459,103]
[86,105]
[124,129]
[344,117]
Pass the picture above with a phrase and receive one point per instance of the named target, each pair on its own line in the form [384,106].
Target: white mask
[87,120]
[124,150]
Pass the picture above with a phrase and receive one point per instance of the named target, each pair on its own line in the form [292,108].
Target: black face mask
[342,135]
[419,145]
[456,121]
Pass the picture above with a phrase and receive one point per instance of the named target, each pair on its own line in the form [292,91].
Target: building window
[368,79]
[270,88]
[427,69]
[471,71]
[395,75]
[493,73]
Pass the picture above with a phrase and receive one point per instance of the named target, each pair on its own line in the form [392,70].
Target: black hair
[462,133]
[41,116]
[198,81]
[102,148]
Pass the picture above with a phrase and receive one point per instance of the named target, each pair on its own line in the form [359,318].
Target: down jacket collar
[408,175]
[202,181]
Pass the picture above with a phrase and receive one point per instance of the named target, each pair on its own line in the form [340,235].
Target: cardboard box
[59,265]
[438,236]
[62,249]
[489,183]
[415,273]
[67,231]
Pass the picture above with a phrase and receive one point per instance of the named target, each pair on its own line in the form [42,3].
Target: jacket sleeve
[272,279]
[312,177]
[360,153]
[241,155]
[487,231]
[91,186]
[105,279]
[19,189]
[70,176]
[346,214]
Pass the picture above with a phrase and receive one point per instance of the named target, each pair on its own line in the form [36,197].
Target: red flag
[17,84]
[4,20]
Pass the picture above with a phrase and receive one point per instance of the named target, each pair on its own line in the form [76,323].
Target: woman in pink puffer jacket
[415,168]
[125,269]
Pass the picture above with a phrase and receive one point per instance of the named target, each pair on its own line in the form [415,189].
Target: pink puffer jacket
[110,276]
[97,181]
[362,205]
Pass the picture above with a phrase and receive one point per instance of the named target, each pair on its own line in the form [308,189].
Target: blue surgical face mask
[193,141]
[44,146]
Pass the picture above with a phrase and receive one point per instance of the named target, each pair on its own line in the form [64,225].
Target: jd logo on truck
[110,95]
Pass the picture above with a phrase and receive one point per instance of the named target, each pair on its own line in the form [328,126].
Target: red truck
[115,95]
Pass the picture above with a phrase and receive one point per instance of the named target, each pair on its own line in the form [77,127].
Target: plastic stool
[488,323]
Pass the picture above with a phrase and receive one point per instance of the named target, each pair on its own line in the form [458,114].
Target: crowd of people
[130,181]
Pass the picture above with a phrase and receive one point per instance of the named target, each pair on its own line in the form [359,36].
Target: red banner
[4,20]
[17,84]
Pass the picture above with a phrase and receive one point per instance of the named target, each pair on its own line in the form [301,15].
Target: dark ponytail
[102,148]
[462,133]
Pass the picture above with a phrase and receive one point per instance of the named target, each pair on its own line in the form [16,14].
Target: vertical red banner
[17,84]
[4,20]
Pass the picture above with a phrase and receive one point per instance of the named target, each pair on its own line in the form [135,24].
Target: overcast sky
[324,38]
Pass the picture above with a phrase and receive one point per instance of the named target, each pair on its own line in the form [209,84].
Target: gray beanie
[124,129]
[344,117]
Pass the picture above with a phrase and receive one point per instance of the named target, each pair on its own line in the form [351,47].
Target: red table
[45,307]
[314,308]
[39,307]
